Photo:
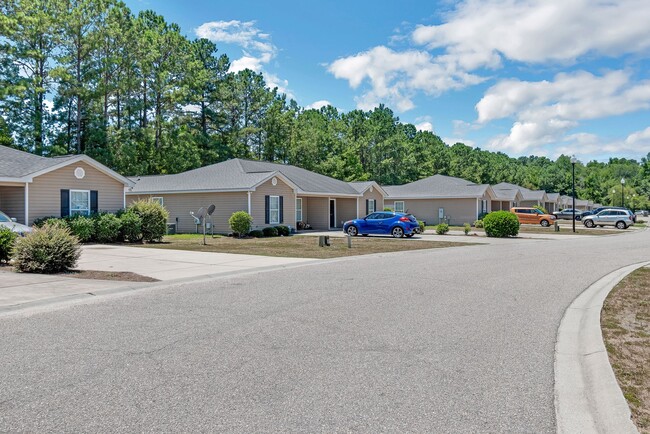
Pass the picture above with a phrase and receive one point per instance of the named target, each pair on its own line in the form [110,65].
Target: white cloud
[590,146]
[257,48]
[545,111]
[317,105]
[424,126]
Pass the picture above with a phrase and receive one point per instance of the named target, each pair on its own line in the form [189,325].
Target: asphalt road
[447,340]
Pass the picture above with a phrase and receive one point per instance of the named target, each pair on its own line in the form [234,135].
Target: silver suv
[610,217]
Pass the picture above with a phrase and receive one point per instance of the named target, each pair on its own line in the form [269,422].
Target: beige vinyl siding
[496,205]
[179,206]
[12,202]
[45,190]
[268,189]
[316,212]
[346,209]
[459,211]
[377,196]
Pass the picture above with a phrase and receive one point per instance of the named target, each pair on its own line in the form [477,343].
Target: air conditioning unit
[171,228]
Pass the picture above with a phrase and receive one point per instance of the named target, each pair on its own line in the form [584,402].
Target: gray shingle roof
[525,192]
[238,174]
[553,197]
[18,164]
[361,186]
[509,195]
[437,186]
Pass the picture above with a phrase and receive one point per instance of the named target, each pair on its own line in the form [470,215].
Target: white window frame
[75,211]
[271,210]
[371,206]
[159,199]
[395,206]
[298,209]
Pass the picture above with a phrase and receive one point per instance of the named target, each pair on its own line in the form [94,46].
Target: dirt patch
[299,246]
[625,321]
[123,276]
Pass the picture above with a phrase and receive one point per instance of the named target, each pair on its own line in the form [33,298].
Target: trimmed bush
[467,228]
[39,222]
[130,227]
[153,218]
[283,231]
[107,228]
[478,224]
[256,233]
[422,226]
[240,223]
[442,228]
[501,224]
[270,232]
[59,222]
[83,228]
[49,249]
[7,240]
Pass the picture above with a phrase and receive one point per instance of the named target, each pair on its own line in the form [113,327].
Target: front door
[332,213]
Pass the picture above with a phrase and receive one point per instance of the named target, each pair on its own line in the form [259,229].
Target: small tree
[240,222]
[501,224]
[153,218]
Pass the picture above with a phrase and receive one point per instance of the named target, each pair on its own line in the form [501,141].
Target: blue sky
[524,77]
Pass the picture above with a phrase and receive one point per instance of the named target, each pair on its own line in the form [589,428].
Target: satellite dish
[211,209]
[200,213]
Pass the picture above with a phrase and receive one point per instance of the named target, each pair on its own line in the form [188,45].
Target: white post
[27,203]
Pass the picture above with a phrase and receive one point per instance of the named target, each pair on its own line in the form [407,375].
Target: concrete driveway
[166,264]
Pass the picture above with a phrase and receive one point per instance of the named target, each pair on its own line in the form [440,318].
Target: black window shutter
[94,201]
[281,209]
[374,204]
[65,203]
[367,206]
[267,200]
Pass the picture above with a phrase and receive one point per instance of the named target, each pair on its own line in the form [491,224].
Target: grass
[537,229]
[625,321]
[296,246]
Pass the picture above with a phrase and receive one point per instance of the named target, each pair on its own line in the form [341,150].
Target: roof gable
[438,186]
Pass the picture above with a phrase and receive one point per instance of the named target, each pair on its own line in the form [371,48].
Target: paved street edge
[587,396]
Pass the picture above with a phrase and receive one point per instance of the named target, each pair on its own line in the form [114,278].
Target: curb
[587,396]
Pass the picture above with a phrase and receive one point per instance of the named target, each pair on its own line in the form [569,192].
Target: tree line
[89,76]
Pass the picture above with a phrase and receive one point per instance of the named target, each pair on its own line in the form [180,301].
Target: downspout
[357,207]
[27,203]
[249,202]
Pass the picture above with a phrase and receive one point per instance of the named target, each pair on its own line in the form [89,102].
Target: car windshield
[4,218]
[538,211]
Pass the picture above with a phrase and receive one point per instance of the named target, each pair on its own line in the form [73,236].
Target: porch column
[27,203]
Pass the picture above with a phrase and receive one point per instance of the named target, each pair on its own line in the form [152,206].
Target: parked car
[396,224]
[7,222]
[532,216]
[620,218]
[642,212]
[602,208]
[567,214]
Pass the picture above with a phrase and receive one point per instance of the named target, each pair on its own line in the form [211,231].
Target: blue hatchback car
[396,224]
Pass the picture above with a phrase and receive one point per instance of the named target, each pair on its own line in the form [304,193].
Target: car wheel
[578,218]
[621,225]
[544,223]
[397,232]
[353,231]
[589,223]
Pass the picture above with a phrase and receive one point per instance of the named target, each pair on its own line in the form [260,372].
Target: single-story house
[32,186]
[553,203]
[529,198]
[271,193]
[441,198]
[506,198]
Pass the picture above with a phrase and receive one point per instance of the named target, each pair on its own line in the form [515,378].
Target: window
[399,206]
[274,210]
[79,202]
[159,200]
[299,209]
[484,207]
[371,206]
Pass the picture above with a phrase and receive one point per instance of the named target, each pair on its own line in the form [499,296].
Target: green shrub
[387,208]
[283,231]
[478,224]
[422,226]
[442,228]
[83,228]
[58,222]
[107,228]
[130,226]
[153,218]
[240,222]
[501,224]
[482,215]
[39,222]
[7,240]
[467,228]
[256,233]
[49,249]
[270,232]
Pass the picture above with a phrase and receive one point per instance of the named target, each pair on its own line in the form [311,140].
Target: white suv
[611,217]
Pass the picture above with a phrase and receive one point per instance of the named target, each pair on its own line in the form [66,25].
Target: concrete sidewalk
[166,264]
